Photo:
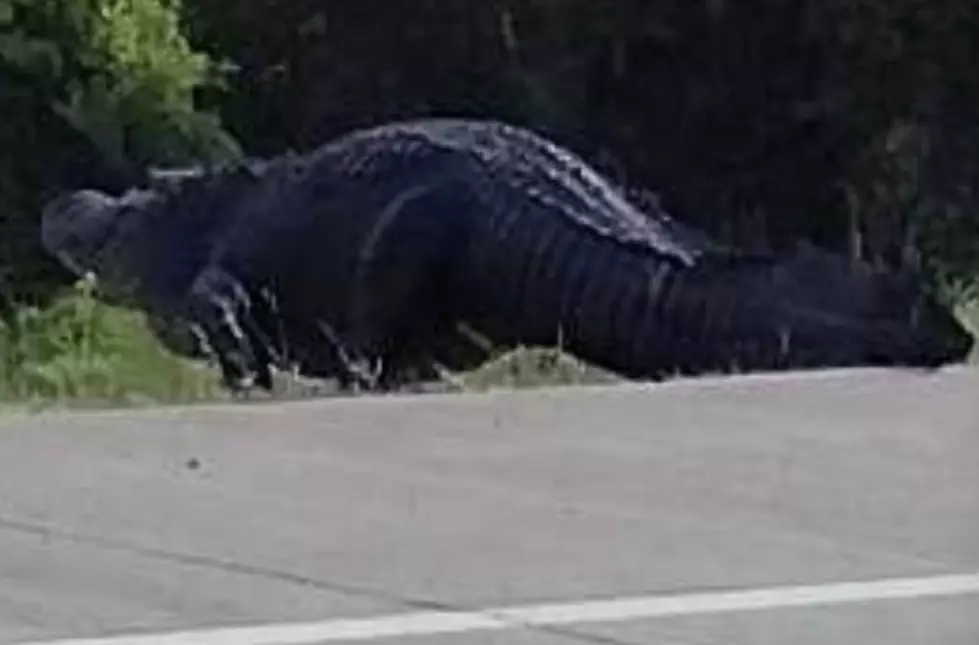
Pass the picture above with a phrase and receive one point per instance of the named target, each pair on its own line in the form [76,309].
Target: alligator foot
[222,318]
[359,370]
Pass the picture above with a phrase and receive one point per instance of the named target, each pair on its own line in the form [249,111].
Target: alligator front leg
[222,316]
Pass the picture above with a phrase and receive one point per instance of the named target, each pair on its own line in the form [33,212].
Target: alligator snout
[74,226]
[68,216]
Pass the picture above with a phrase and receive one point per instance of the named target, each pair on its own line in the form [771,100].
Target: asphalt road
[677,514]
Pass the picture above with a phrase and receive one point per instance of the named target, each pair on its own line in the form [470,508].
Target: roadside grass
[529,367]
[80,352]
[83,353]
[968,312]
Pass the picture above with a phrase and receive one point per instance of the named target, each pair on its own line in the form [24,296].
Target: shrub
[95,89]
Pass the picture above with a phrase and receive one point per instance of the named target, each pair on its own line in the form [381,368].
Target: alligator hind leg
[379,352]
[355,367]
[402,287]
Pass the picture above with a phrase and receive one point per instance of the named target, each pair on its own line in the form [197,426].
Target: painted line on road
[613,610]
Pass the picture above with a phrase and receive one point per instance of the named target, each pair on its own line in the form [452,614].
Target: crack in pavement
[239,568]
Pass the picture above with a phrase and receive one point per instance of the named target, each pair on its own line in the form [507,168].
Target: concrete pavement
[205,518]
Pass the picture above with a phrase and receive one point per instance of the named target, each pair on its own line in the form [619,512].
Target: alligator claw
[358,371]
[223,321]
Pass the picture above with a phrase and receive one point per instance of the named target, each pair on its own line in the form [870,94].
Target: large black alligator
[379,246]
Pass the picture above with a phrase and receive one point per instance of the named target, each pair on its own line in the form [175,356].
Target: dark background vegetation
[852,123]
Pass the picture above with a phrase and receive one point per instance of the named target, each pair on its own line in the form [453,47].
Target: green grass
[532,367]
[81,352]
[968,312]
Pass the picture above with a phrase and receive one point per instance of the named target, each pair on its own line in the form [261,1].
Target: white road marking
[613,610]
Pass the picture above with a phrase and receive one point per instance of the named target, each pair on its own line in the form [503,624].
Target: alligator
[400,246]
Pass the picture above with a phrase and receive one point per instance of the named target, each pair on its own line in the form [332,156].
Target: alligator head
[149,241]
[93,233]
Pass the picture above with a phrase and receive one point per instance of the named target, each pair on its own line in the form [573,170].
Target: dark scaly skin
[376,245]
